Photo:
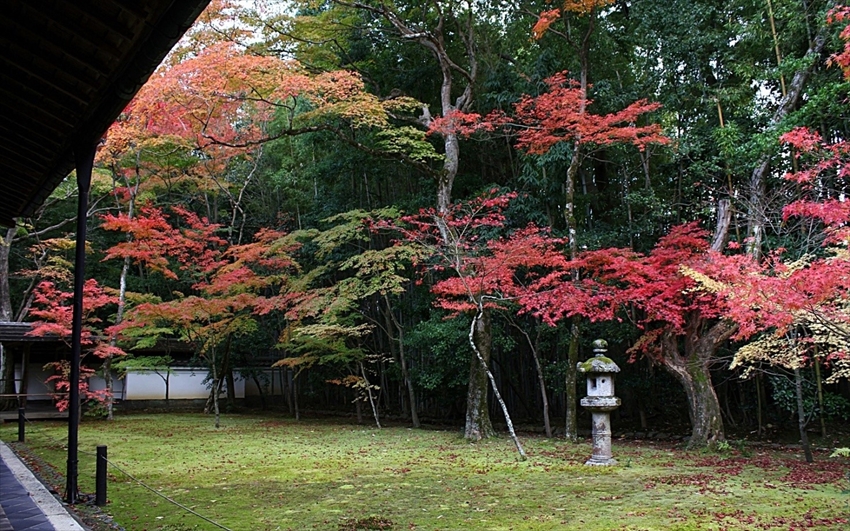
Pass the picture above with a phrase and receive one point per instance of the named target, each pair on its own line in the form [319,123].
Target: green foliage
[408,141]
[159,364]
[443,345]
[784,394]
[840,452]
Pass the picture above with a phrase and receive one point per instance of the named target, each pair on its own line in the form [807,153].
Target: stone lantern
[600,400]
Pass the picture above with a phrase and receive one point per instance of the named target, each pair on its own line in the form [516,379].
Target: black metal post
[22,419]
[100,477]
[84,155]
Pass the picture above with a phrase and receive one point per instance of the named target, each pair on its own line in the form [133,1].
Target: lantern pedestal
[600,401]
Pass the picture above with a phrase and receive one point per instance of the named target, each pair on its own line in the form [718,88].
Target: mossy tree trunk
[481,328]
[478,423]
[689,363]
[570,381]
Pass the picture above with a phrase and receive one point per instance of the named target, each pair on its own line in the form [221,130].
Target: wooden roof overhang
[67,69]
[11,332]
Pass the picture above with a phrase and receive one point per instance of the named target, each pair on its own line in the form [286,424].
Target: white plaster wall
[184,383]
[96,383]
[35,382]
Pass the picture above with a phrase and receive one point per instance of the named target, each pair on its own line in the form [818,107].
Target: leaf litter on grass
[263,473]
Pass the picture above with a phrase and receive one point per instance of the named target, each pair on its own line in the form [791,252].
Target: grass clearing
[267,473]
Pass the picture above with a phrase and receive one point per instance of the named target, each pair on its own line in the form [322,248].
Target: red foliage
[841,14]
[465,123]
[560,115]
[771,294]
[53,307]
[61,381]
[230,284]
[53,310]
[475,267]
[614,278]
[194,247]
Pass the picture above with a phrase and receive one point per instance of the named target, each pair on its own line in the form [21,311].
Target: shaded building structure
[23,359]
[67,69]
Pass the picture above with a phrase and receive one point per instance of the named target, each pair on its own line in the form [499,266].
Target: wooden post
[85,160]
[100,477]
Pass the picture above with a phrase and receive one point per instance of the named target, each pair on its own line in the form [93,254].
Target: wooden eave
[67,69]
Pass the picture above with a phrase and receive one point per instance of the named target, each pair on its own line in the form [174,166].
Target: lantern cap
[599,363]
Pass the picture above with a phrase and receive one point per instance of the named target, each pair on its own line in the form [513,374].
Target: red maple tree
[480,272]
[53,309]
[559,115]
[682,325]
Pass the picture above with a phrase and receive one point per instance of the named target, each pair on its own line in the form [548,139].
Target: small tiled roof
[17,333]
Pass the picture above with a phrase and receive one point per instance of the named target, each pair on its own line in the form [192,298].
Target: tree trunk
[757,207]
[294,387]
[122,287]
[760,403]
[819,382]
[260,390]
[392,322]
[216,409]
[231,388]
[371,397]
[570,382]
[583,49]
[286,389]
[724,220]
[703,406]
[478,424]
[119,318]
[691,370]
[801,416]
[215,390]
[480,317]
[571,426]
[544,397]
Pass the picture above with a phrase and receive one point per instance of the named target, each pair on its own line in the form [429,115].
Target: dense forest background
[300,182]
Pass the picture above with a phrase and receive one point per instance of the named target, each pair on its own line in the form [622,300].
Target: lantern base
[601,461]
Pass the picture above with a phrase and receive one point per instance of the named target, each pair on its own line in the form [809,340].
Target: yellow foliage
[705,282]
[770,349]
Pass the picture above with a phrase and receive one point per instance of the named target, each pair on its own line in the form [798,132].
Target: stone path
[25,504]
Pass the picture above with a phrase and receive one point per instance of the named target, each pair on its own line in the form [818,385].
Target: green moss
[598,364]
[269,473]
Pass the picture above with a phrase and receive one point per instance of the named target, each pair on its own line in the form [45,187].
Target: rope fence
[52,442]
